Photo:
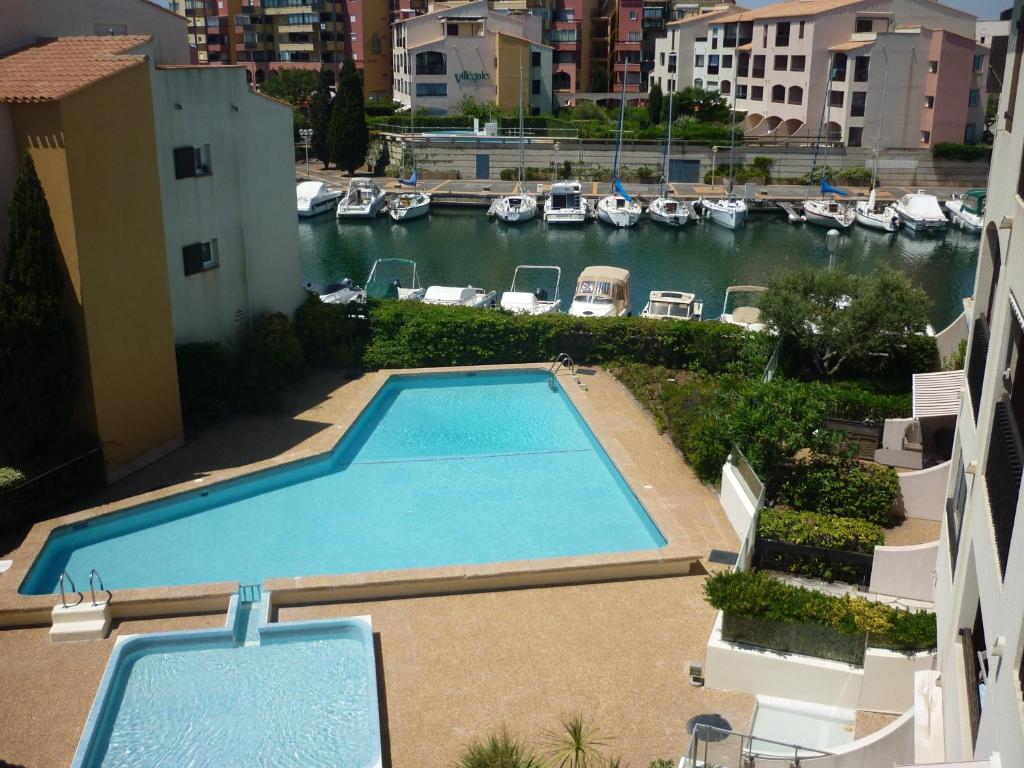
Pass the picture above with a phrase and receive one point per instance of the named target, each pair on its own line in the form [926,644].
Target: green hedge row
[832,532]
[836,485]
[947,150]
[756,595]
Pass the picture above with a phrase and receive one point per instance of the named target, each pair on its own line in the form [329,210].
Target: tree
[38,380]
[295,86]
[706,106]
[320,117]
[655,101]
[348,137]
[483,110]
[840,321]
[598,78]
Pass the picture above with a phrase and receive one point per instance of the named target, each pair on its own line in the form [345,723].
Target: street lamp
[306,134]
[831,241]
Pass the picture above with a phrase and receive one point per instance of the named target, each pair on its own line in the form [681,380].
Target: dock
[795,217]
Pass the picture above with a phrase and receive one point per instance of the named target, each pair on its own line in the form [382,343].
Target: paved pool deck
[455,666]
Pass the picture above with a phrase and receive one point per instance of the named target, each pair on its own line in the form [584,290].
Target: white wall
[905,571]
[736,500]
[923,491]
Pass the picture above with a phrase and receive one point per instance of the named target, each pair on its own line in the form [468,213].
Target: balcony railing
[976,362]
[1003,469]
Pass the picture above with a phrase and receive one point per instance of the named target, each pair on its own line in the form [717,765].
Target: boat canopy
[602,284]
[974,201]
[922,206]
[671,304]
[308,190]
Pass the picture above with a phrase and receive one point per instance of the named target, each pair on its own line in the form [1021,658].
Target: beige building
[672,70]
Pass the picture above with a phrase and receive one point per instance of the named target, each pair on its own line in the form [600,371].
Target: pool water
[450,469]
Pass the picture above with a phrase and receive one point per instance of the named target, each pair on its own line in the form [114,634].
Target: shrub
[332,335]
[10,479]
[498,750]
[271,360]
[207,383]
[841,486]
[842,534]
[947,150]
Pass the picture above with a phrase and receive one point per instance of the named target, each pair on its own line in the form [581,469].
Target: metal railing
[94,578]
[711,746]
[976,362]
[64,575]
[1003,470]
[562,361]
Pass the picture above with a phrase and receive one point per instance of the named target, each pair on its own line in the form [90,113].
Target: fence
[850,567]
[805,639]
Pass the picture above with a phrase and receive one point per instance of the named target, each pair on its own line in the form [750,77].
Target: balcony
[1003,469]
[976,362]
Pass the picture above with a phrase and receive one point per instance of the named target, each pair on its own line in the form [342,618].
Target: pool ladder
[94,579]
[564,361]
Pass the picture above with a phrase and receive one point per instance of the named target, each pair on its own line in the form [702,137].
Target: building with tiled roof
[672,70]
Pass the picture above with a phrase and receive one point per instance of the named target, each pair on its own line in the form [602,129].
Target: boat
[363,200]
[314,197]
[829,213]
[826,212]
[601,292]
[919,211]
[467,296]
[518,206]
[870,213]
[535,302]
[381,286]
[673,305]
[668,210]
[728,211]
[745,316]
[566,204]
[967,211]
[618,208]
[342,292]
[407,206]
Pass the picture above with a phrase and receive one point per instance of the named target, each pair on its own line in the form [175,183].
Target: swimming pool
[439,469]
[302,693]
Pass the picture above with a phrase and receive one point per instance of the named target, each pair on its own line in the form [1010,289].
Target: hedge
[843,534]
[840,486]
[947,150]
[756,595]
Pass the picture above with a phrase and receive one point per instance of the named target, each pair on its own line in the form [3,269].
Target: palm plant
[499,750]
[577,745]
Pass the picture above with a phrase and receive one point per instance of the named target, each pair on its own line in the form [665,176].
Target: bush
[946,150]
[841,486]
[842,534]
[332,335]
[207,376]
[10,479]
[272,359]
[498,750]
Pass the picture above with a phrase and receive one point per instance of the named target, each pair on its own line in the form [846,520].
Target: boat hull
[812,216]
[959,219]
[921,225]
[877,221]
[680,218]
[418,211]
[515,215]
[361,212]
[320,206]
[729,218]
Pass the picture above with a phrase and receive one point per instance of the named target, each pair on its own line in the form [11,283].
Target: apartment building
[979,603]
[445,55]
[684,45]
[280,34]
[994,34]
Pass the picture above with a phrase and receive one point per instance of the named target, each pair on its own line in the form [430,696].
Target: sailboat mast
[732,139]
[522,146]
[821,123]
[878,138]
[668,148]
[622,114]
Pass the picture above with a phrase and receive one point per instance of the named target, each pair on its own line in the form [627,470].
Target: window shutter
[184,162]
[193,256]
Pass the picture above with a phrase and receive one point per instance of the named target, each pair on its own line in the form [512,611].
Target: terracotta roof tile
[708,16]
[57,68]
[789,9]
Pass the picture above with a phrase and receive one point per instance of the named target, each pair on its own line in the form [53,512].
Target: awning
[937,394]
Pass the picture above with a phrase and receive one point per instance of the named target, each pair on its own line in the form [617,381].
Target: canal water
[463,247]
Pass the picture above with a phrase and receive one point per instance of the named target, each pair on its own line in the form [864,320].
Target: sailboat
[870,213]
[826,212]
[727,211]
[618,208]
[518,206]
[668,210]
[406,206]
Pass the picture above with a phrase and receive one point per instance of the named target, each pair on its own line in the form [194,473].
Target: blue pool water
[299,695]
[448,469]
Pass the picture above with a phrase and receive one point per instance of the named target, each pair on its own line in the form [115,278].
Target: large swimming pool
[439,469]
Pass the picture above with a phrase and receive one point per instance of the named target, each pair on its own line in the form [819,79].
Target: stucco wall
[905,571]
[736,501]
[923,492]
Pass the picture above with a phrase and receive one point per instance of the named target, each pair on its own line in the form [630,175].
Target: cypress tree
[38,379]
[320,117]
[655,100]
[349,137]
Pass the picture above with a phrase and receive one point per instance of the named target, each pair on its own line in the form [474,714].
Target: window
[926,136]
[199,257]
[758,67]
[860,69]
[730,36]
[929,102]
[955,513]
[661,59]
[535,87]
[743,65]
[835,98]
[781,63]
[725,87]
[714,42]
[698,60]
[933,66]
[801,34]
[565,15]
[698,83]
[864,25]
[632,16]
[979,61]
[782,34]
[855,137]
[431,89]
[671,85]
[778,93]
[636,37]
[858,102]
[797,63]
[970,133]
[727,62]
[713,64]
[839,68]
[796,95]
[452,30]
[764,36]
[352,19]
[192,161]
[741,91]
[535,59]
[353,37]
[973,97]
[756,93]
[431,63]
[672,63]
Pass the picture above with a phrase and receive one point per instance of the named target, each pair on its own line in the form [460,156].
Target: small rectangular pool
[438,470]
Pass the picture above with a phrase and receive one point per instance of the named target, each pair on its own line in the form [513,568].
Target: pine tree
[655,101]
[320,117]
[38,379]
[349,138]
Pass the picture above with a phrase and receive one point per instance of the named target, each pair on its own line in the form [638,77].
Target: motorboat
[829,213]
[919,211]
[314,197]
[363,200]
[618,211]
[467,296]
[728,211]
[515,208]
[532,302]
[566,204]
[875,215]
[381,284]
[601,292]
[343,292]
[744,315]
[667,210]
[967,211]
[407,206]
[673,305]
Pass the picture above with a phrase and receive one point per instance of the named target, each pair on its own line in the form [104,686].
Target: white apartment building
[450,53]
[684,46]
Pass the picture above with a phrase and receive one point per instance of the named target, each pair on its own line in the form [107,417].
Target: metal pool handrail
[562,360]
[95,575]
[63,600]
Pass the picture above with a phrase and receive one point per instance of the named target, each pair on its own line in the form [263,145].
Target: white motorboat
[875,215]
[967,211]
[673,305]
[342,292]
[601,292]
[313,197]
[518,206]
[618,211]
[919,211]
[532,302]
[667,210]
[744,315]
[566,204]
[829,213]
[729,211]
[407,206]
[363,200]
[467,296]
[381,284]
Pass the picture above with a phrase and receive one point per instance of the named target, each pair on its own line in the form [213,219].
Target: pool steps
[83,621]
